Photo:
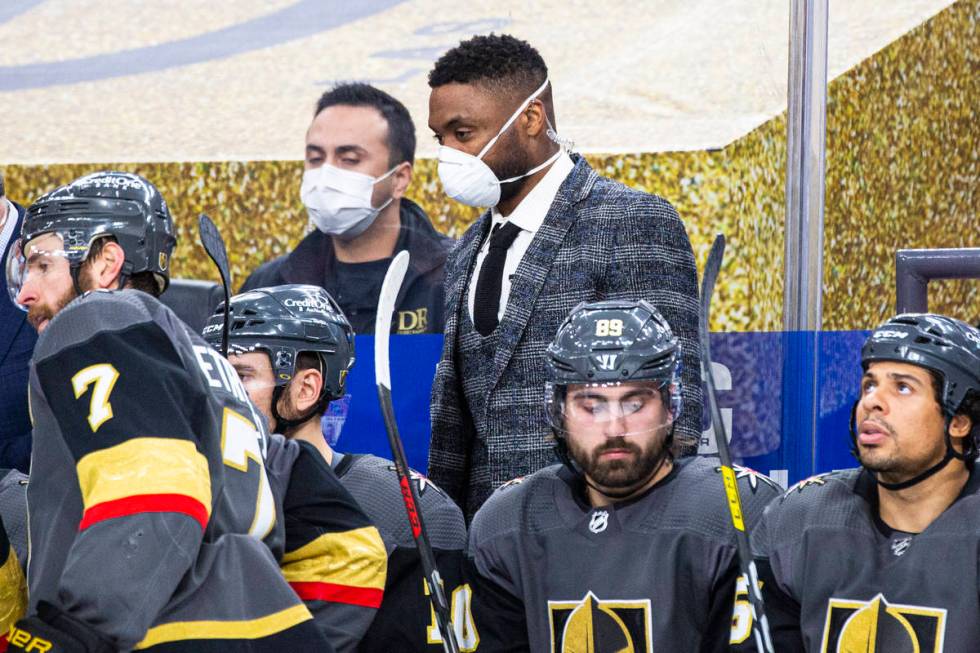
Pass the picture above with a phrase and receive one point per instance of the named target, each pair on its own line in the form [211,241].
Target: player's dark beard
[38,312]
[619,477]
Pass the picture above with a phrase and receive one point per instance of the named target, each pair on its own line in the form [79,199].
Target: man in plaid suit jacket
[598,240]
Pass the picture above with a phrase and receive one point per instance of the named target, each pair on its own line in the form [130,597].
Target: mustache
[880,422]
[37,314]
[619,442]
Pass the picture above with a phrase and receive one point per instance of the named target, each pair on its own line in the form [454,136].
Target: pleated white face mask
[339,201]
[467,179]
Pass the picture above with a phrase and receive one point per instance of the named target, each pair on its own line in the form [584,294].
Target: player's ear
[307,385]
[960,426]
[106,266]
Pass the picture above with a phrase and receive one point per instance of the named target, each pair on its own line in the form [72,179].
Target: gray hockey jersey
[655,573]
[149,500]
[837,578]
[406,621]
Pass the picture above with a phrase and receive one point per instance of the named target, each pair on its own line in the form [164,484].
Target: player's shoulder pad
[701,477]
[820,486]
[827,499]
[92,313]
[443,518]
[701,469]
[511,507]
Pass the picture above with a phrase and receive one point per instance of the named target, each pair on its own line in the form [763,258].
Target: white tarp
[187,80]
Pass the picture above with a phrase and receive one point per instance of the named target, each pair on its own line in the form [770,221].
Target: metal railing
[915,268]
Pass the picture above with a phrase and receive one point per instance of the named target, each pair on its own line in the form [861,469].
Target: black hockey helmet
[108,203]
[938,343]
[945,345]
[285,321]
[612,342]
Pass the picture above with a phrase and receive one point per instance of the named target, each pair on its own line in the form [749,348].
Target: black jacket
[17,338]
[420,305]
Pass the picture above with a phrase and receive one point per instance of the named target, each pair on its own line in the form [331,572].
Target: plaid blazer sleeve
[452,426]
[650,257]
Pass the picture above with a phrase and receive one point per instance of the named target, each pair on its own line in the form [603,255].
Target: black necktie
[487,300]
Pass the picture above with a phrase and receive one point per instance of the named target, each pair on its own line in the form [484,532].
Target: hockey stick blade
[760,625]
[382,374]
[214,245]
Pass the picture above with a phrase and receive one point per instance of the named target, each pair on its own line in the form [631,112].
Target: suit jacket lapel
[533,269]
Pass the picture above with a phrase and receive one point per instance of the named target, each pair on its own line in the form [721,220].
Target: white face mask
[339,201]
[467,179]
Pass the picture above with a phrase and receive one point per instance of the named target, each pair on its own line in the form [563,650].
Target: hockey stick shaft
[760,625]
[382,369]
[214,245]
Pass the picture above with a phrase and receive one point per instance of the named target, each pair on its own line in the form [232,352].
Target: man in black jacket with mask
[360,149]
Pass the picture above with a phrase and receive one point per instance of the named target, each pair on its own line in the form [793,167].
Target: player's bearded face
[617,434]
[900,426]
[48,285]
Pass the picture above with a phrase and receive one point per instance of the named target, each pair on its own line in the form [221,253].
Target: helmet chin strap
[951,453]
[561,450]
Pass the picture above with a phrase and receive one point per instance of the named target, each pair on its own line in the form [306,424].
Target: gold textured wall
[902,171]
[903,168]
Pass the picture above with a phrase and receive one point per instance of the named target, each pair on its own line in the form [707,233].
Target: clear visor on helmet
[617,408]
[253,364]
[39,259]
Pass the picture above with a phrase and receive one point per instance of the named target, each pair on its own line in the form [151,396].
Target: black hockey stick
[214,245]
[760,625]
[382,374]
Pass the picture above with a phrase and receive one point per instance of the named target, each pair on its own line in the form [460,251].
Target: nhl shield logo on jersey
[877,626]
[593,625]
[599,521]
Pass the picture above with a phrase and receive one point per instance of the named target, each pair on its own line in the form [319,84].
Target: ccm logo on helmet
[887,333]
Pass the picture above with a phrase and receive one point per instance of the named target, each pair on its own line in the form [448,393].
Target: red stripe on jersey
[3,643]
[145,503]
[367,597]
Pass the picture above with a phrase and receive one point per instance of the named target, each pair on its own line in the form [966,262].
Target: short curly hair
[499,61]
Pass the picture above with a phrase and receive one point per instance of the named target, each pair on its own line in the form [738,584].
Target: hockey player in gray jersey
[149,503]
[624,547]
[293,348]
[883,558]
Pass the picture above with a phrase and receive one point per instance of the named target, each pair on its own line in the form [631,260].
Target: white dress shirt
[7,229]
[528,215]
